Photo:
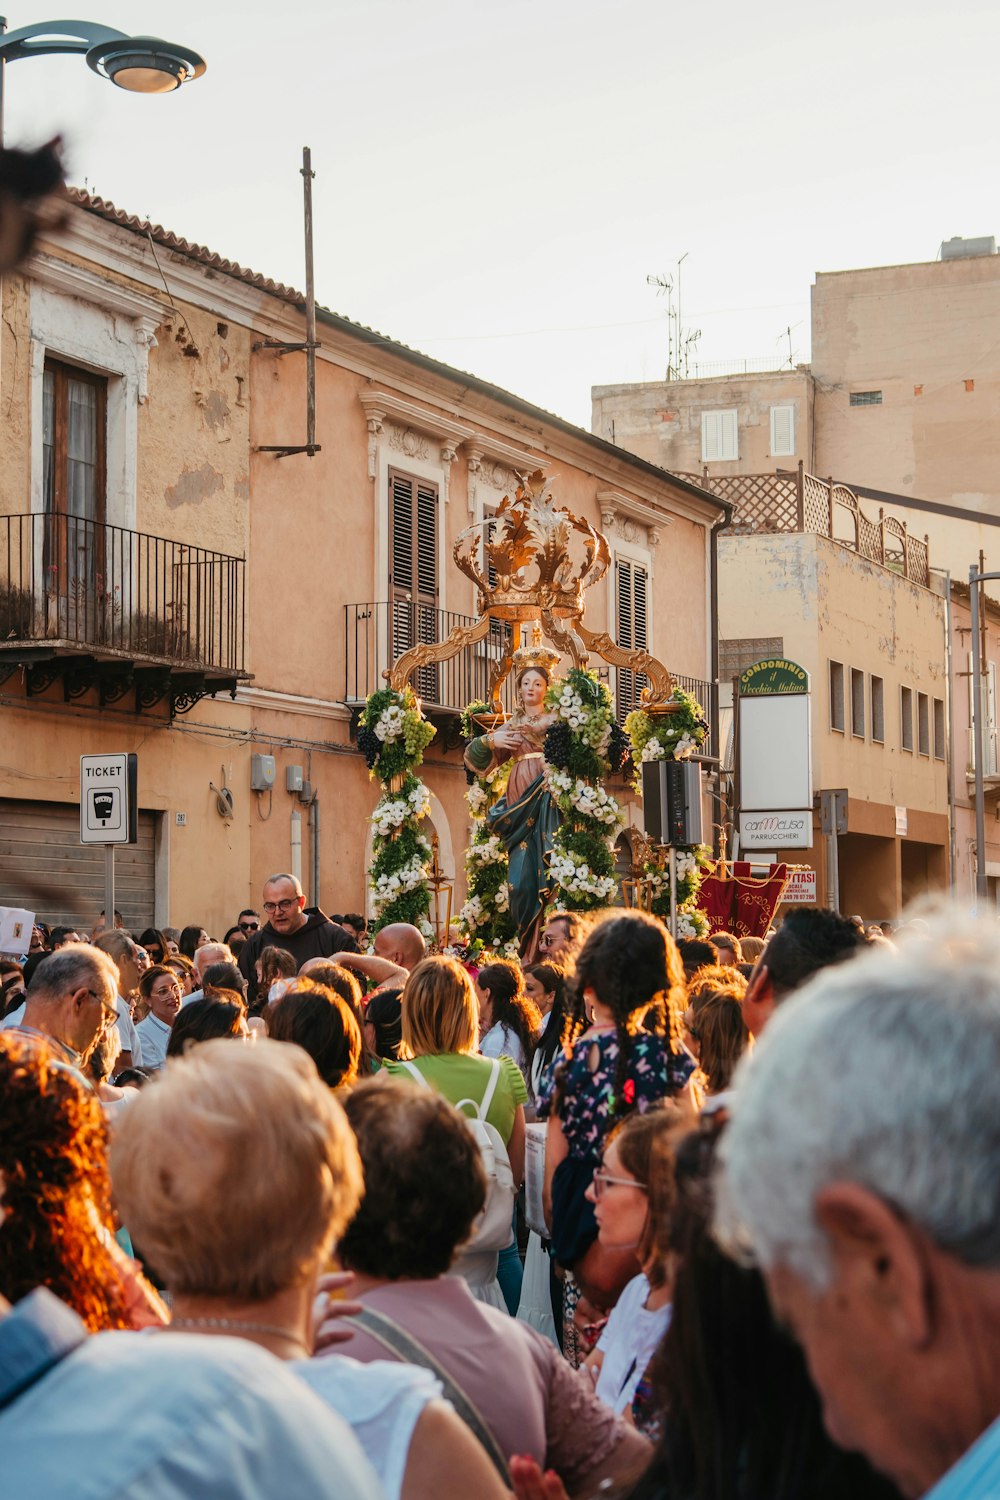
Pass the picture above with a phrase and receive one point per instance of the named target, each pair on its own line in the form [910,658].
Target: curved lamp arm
[56,36]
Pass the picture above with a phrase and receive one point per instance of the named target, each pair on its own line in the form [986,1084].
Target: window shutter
[426,559]
[401,519]
[413,586]
[710,436]
[719,436]
[631,627]
[782,431]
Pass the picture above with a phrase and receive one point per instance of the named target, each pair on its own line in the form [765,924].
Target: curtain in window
[81,450]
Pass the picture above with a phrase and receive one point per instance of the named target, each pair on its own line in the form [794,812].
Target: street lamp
[141,64]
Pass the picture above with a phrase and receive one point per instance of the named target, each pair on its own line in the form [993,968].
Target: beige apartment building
[900,399]
[874,644]
[179,578]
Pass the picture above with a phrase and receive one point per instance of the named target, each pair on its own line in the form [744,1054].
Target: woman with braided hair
[630,975]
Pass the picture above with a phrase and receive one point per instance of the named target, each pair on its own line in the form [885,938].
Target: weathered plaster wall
[829,604]
[661,420]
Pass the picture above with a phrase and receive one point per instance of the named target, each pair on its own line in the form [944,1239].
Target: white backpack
[492,1229]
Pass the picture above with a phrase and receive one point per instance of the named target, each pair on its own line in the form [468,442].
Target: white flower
[684,747]
[653,749]
[502,897]
[486,853]
[477,798]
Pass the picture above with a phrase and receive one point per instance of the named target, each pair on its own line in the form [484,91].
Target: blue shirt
[172,1416]
[976,1476]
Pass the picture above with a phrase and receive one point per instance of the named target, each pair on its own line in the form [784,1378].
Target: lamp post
[982,883]
[141,64]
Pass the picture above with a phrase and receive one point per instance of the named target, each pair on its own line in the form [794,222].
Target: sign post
[109,812]
[774,756]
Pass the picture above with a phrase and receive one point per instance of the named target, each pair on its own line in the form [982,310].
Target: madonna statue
[525,818]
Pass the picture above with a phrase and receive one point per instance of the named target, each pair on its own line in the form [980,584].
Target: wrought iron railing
[799,501]
[376,634]
[127,593]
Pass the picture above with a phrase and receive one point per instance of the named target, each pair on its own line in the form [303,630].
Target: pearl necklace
[269,1328]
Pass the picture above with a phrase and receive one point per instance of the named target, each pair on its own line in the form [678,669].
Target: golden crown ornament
[525,567]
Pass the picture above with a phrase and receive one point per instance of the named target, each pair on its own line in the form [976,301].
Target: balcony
[121,611]
[801,502]
[376,634]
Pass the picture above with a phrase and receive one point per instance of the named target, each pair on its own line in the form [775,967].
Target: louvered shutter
[413,508]
[631,627]
[782,431]
[719,436]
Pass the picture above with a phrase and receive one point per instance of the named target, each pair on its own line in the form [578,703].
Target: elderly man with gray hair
[862,1170]
[70,1002]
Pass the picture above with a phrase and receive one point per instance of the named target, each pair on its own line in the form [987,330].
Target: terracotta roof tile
[105,210]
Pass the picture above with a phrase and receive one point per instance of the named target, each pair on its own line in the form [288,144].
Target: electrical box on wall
[261,773]
[293,778]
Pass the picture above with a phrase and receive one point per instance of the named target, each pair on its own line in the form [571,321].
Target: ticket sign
[109,812]
[801,888]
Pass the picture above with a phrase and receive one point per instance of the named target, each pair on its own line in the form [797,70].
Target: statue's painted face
[532,689]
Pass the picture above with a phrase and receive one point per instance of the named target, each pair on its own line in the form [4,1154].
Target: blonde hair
[752,948]
[238,1169]
[440,1010]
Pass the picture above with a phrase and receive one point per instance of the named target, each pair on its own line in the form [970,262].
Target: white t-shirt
[628,1343]
[126,1029]
[500,1041]
[153,1035]
[14,1019]
[382,1403]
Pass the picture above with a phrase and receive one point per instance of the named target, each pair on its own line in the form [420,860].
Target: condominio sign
[774,756]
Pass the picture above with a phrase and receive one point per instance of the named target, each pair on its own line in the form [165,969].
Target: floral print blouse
[588,1108]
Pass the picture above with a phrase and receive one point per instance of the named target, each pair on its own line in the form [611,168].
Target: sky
[495,183]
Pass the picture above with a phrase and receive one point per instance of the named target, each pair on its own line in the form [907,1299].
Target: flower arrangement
[393,735]
[676,735]
[581,748]
[486,914]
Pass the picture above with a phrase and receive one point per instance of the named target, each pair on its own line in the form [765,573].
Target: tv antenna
[786,333]
[677,346]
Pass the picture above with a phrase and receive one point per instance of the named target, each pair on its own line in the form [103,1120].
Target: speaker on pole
[671,802]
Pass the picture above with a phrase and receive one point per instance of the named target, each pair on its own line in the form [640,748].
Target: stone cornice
[72,280]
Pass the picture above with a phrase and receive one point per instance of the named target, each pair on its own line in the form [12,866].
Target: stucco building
[172,583]
[874,644]
[901,398]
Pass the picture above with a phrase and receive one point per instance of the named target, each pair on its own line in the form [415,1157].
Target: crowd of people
[308,1211]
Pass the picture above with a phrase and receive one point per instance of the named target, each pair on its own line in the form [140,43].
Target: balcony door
[81,603]
[413,582]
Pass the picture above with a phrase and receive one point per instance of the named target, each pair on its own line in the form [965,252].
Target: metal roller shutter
[45,868]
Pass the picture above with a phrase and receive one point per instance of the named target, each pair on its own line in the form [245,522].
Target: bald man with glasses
[303,934]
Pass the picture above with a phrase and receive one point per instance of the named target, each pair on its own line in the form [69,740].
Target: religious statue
[525,818]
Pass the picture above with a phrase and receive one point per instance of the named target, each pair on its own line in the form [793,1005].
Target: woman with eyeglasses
[629,976]
[155,944]
[632,1193]
[161,990]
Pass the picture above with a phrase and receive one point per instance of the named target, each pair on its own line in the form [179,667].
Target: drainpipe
[296,856]
[949,720]
[314,846]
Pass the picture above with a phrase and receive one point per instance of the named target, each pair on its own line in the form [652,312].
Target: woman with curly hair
[631,978]
[509,1022]
[55,1197]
